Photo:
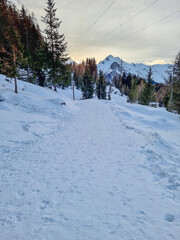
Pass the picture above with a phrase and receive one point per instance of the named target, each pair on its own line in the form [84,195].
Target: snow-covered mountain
[72,60]
[112,66]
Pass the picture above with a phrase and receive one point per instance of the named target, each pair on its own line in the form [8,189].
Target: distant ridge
[114,66]
[72,60]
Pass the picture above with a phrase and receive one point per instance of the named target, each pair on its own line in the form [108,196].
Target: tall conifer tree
[16,52]
[3,36]
[147,95]
[101,86]
[56,43]
[176,88]
[87,84]
[11,48]
[133,91]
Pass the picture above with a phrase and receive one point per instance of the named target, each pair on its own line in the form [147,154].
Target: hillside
[86,170]
[112,66]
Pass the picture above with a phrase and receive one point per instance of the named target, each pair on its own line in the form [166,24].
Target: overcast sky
[89,27]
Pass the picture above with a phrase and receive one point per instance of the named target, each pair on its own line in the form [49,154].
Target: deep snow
[90,170]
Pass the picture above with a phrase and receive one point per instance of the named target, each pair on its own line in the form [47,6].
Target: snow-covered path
[96,178]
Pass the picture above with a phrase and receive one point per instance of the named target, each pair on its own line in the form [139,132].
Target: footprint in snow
[44,204]
[25,127]
[112,233]
[141,215]
[169,217]
[21,193]
[47,219]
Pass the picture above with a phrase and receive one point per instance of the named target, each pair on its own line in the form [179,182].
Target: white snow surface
[159,71]
[87,170]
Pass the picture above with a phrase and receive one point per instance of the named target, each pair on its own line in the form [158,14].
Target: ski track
[90,180]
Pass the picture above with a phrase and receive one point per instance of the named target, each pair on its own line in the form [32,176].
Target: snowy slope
[33,112]
[88,170]
[114,65]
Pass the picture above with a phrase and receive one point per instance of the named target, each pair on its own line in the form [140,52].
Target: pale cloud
[159,43]
[156,61]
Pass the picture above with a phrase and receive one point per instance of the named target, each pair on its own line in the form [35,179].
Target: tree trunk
[15,82]
[109,93]
[14,63]
[41,77]
[73,92]
[172,86]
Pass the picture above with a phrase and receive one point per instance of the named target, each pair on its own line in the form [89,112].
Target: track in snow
[97,178]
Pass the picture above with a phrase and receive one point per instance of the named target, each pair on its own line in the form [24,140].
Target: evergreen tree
[124,88]
[79,71]
[147,94]
[65,77]
[39,65]
[29,39]
[35,49]
[133,91]
[117,82]
[101,86]
[16,50]
[124,78]
[167,100]
[4,24]
[129,81]
[176,88]
[56,43]
[87,84]
[93,68]
[25,25]
[10,45]
[76,79]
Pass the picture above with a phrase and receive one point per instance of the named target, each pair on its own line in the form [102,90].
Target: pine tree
[11,48]
[78,72]
[124,77]
[176,89]
[101,86]
[56,43]
[129,80]
[5,47]
[39,56]
[76,79]
[167,100]
[39,65]
[123,86]
[65,77]
[24,27]
[147,94]
[93,68]
[87,85]
[28,49]
[16,50]
[133,91]
[117,82]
